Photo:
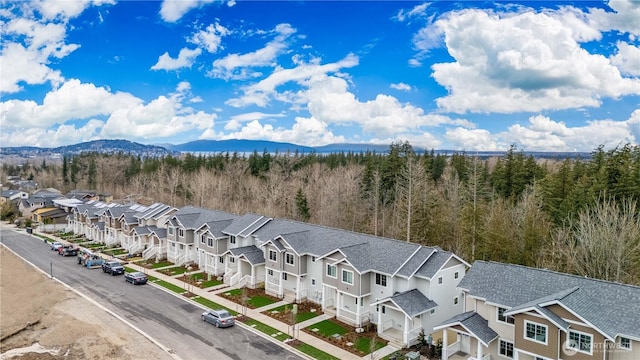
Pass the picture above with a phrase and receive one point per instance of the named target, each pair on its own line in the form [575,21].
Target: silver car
[219,318]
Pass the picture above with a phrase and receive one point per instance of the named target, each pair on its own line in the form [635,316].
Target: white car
[56,245]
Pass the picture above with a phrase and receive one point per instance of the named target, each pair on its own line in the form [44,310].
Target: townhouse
[517,312]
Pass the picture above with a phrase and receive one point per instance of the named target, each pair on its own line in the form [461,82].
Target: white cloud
[52,137]
[73,100]
[627,59]
[239,66]
[624,17]
[471,139]
[305,131]
[236,121]
[64,10]
[401,87]
[416,11]
[210,38]
[522,62]
[185,58]
[174,10]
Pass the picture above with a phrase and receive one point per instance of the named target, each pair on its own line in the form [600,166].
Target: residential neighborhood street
[172,322]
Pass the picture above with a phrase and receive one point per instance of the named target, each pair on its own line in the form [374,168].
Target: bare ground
[42,319]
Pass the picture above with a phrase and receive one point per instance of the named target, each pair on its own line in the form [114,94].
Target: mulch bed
[351,336]
[303,307]
[248,293]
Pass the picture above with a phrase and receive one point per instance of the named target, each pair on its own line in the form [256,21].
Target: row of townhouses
[488,310]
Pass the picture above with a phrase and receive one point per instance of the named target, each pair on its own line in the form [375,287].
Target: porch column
[405,335]
[280,281]
[298,288]
[380,330]
[338,303]
[516,354]
[445,343]
[358,305]
[253,279]
[479,351]
[324,297]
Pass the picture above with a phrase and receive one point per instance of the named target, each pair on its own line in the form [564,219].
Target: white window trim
[577,348]
[270,272]
[210,242]
[498,316]
[313,282]
[286,259]
[512,347]
[342,277]
[456,301]
[333,267]
[456,275]
[620,343]
[546,332]
[275,257]
[440,280]
[181,232]
[380,276]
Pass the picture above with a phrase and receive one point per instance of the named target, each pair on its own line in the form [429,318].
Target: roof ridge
[562,274]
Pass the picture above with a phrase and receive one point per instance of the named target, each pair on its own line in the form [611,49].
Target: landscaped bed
[306,310]
[346,337]
[252,298]
[199,280]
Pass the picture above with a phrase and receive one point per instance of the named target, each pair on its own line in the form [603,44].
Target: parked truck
[68,250]
[89,259]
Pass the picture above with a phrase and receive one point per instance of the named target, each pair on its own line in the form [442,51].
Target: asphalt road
[170,320]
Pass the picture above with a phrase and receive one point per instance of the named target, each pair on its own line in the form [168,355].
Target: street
[170,320]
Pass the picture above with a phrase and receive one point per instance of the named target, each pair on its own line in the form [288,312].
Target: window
[170,231]
[270,272]
[503,318]
[455,300]
[232,239]
[381,280]
[332,271]
[313,282]
[347,277]
[506,349]
[288,258]
[221,259]
[181,232]
[173,244]
[440,280]
[384,309]
[232,260]
[580,341]
[313,259]
[284,276]
[202,238]
[273,256]
[456,275]
[433,311]
[535,332]
[625,343]
[210,242]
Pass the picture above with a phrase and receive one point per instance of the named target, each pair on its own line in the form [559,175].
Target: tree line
[571,215]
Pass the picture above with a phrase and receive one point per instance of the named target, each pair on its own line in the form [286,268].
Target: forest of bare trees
[571,215]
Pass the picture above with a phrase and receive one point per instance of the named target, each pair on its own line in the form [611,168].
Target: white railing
[235,278]
[179,260]
[453,348]
[272,287]
[150,252]
[227,276]
[135,248]
[329,302]
[388,324]
[413,334]
[302,294]
[243,282]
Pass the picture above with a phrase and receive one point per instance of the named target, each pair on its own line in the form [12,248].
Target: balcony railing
[150,252]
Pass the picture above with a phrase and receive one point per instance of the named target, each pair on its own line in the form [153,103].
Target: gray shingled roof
[160,233]
[251,253]
[611,307]
[416,261]
[411,302]
[216,227]
[436,260]
[245,225]
[191,217]
[475,324]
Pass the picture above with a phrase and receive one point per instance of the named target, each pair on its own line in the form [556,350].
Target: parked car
[68,250]
[56,245]
[135,277]
[113,267]
[219,318]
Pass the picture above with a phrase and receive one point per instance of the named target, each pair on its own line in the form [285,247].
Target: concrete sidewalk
[257,315]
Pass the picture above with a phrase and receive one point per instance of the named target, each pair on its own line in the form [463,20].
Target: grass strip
[213,305]
[315,352]
[266,329]
[170,286]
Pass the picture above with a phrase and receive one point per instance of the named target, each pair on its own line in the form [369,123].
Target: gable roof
[611,308]
[245,225]
[251,253]
[411,302]
[191,217]
[473,323]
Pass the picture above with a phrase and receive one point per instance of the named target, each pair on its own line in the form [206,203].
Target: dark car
[68,250]
[135,278]
[113,267]
[219,318]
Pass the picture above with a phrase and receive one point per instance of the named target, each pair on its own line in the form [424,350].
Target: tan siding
[550,350]
[597,341]
[563,313]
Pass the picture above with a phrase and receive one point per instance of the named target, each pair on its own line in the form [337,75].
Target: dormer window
[232,239]
[503,318]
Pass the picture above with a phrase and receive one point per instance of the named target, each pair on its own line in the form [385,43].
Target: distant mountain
[99,146]
[241,146]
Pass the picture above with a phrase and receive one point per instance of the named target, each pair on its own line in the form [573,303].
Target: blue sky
[472,75]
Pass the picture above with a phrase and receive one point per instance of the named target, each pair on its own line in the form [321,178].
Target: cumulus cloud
[624,17]
[627,59]
[307,131]
[235,122]
[210,38]
[185,58]
[522,62]
[52,137]
[240,66]
[401,87]
[174,10]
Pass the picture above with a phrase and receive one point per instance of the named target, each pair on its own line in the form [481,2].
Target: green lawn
[115,252]
[364,344]
[161,264]
[260,301]
[170,286]
[315,353]
[174,270]
[212,305]
[328,328]
[266,329]
[302,316]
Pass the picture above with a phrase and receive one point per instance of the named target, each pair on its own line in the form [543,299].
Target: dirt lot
[42,319]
